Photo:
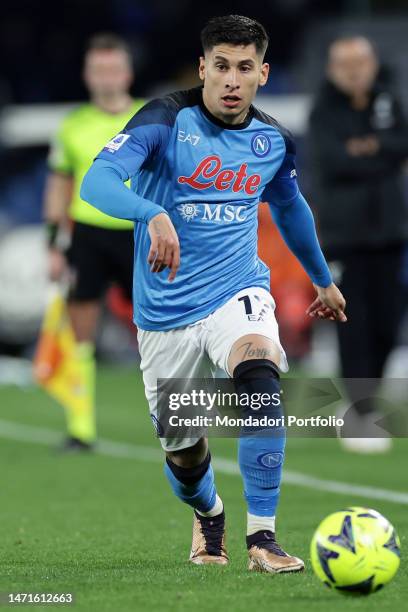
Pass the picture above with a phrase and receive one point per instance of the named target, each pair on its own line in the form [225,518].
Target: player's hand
[57,264]
[329,304]
[165,247]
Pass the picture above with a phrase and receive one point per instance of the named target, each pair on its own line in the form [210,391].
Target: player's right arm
[144,140]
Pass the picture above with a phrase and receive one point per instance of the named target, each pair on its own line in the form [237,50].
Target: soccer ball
[355,551]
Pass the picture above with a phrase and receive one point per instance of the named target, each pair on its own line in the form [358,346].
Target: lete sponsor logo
[209,173]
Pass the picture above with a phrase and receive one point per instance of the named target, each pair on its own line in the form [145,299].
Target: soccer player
[200,161]
[101,247]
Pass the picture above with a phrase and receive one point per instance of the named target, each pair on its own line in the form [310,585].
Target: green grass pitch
[108,529]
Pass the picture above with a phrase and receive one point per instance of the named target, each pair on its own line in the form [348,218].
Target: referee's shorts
[98,257]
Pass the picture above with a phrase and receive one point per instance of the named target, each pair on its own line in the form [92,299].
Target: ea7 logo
[184,137]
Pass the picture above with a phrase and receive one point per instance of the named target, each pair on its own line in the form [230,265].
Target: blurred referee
[101,247]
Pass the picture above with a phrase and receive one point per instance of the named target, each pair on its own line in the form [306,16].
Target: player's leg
[261,453]
[89,281]
[246,342]
[178,354]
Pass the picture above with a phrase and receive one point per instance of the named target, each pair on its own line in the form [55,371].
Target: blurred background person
[359,141]
[101,248]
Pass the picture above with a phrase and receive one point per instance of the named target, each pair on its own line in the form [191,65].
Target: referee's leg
[89,275]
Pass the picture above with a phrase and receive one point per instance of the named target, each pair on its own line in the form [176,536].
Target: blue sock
[261,452]
[201,494]
[260,462]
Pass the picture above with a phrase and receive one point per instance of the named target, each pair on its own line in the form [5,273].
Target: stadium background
[79,523]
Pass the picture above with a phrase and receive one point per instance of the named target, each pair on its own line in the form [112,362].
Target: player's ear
[264,74]
[201,68]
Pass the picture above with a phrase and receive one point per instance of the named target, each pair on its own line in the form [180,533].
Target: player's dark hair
[107,41]
[234,30]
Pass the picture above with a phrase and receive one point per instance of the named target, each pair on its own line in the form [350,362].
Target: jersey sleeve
[59,159]
[284,186]
[144,138]
[294,219]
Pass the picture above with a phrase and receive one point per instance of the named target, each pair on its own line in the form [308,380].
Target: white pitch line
[39,435]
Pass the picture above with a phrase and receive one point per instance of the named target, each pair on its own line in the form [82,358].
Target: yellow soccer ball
[355,551]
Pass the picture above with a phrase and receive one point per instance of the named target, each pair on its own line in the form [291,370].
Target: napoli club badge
[260,144]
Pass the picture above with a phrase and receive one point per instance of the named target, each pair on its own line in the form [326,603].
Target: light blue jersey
[209,178]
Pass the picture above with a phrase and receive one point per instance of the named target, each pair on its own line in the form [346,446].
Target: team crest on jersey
[188,211]
[260,144]
[115,144]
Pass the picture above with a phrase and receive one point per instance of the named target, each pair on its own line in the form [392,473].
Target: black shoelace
[266,540]
[213,531]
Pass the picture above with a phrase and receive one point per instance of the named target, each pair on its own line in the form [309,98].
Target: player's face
[352,66]
[231,75]
[107,72]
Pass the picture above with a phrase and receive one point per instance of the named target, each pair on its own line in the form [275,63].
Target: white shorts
[200,349]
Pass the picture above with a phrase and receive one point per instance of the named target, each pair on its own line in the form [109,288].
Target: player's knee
[257,381]
[256,369]
[191,456]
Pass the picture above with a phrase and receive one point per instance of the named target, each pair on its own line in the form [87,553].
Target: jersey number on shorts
[247,304]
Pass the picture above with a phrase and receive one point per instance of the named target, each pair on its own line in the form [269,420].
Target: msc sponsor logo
[115,144]
[260,144]
[212,212]
[210,173]
[188,211]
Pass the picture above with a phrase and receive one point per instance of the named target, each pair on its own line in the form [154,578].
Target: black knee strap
[189,476]
[256,368]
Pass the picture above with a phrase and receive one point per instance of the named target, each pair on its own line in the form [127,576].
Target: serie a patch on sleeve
[115,144]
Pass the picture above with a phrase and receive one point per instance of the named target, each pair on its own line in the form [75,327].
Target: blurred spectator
[359,141]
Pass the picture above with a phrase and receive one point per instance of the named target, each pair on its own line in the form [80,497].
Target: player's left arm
[295,221]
